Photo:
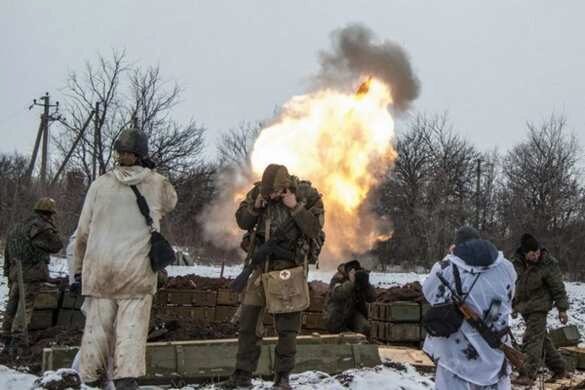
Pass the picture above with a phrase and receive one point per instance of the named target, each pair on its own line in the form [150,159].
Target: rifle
[494,339]
[271,247]
[21,301]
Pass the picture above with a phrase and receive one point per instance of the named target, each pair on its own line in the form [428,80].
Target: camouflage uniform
[346,308]
[308,224]
[31,242]
[539,286]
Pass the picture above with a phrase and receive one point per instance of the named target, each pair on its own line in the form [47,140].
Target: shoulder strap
[142,206]
[458,285]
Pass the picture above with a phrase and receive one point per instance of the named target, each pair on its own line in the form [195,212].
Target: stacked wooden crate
[396,322]
[195,305]
[45,308]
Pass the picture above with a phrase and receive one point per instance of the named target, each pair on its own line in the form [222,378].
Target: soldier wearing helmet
[31,243]
[112,266]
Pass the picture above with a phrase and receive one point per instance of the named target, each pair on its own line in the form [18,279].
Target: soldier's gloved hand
[75,287]
[514,314]
[362,279]
[563,317]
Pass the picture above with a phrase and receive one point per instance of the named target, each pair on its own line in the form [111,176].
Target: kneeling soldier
[349,292]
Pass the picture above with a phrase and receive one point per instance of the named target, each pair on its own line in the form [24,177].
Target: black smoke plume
[356,53]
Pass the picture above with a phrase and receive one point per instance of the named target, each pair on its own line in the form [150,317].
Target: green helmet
[132,141]
[47,205]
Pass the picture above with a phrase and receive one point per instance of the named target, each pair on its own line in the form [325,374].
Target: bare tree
[235,147]
[123,92]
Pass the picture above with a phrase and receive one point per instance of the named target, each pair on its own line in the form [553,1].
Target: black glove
[362,279]
[75,287]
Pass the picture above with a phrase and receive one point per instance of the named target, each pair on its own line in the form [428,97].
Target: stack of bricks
[396,322]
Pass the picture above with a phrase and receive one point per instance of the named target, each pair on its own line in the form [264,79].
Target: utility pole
[477,194]
[43,133]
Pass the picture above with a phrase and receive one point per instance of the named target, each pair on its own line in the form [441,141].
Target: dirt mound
[185,329]
[197,282]
[409,292]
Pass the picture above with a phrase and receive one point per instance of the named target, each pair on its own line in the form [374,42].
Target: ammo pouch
[286,291]
[444,319]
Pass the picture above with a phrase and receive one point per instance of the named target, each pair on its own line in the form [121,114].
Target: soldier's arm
[246,216]
[340,288]
[47,239]
[554,281]
[370,294]
[82,231]
[311,220]
[169,197]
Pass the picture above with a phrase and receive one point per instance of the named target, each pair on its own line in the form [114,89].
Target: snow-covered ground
[378,377]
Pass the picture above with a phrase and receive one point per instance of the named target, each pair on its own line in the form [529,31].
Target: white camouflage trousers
[118,328]
[446,380]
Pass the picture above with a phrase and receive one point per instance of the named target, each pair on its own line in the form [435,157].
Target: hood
[343,266]
[480,254]
[131,176]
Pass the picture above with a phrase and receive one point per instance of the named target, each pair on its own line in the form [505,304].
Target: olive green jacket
[539,286]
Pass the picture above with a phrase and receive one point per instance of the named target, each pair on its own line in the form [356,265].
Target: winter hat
[528,243]
[466,233]
[274,178]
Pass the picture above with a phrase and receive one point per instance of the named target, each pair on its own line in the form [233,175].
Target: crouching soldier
[28,245]
[284,214]
[539,287]
[112,263]
[349,292]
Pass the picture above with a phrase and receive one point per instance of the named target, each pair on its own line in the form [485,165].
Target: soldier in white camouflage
[31,243]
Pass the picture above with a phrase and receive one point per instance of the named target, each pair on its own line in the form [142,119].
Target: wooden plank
[413,356]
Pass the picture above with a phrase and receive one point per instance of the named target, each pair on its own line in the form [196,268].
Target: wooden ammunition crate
[70,318]
[199,315]
[395,332]
[42,319]
[47,298]
[71,301]
[216,358]
[403,312]
[566,336]
[224,313]
[575,357]
[377,311]
[177,297]
[226,297]
[313,321]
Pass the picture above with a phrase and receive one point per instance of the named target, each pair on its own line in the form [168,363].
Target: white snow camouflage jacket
[465,353]
[112,239]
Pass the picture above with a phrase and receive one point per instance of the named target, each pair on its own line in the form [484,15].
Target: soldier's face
[127,159]
[276,195]
[533,256]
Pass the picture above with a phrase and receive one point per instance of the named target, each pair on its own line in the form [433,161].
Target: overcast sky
[493,65]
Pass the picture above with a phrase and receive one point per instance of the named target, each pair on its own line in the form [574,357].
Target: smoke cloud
[356,53]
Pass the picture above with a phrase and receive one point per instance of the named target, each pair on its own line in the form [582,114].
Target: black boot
[239,379]
[126,384]
[281,381]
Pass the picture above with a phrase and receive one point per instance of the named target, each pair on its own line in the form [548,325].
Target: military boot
[239,379]
[558,376]
[126,384]
[281,381]
[10,347]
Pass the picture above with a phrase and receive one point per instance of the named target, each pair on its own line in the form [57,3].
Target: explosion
[342,143]
[339,136]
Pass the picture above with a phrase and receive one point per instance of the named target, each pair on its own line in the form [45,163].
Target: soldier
[112,264]
[349,292]
[272,203]
[539,287]
[30,243]
[476,270]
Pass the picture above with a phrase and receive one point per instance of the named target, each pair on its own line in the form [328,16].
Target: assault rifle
[275,246]
[272,247]
[494,339]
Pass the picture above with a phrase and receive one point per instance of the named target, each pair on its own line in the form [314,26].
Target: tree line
[440,180]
